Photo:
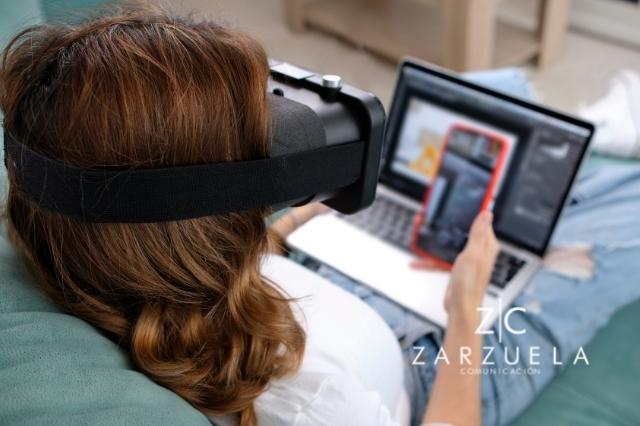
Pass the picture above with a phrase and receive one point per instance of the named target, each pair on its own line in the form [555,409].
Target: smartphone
[470,163]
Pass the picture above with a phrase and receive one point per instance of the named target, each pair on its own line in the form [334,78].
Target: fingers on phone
[481,236]
[481,227]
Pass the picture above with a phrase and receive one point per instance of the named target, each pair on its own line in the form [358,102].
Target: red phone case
[488,194]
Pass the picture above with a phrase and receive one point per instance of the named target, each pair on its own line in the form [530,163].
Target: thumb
[481,230]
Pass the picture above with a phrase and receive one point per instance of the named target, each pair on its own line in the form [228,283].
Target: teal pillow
[69,9]
[56,369]
[605,392]
[15,15]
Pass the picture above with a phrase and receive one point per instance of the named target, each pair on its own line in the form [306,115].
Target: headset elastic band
[184,192]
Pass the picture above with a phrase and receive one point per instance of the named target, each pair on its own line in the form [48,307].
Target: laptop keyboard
[386,219]
[393,222]
[506,267]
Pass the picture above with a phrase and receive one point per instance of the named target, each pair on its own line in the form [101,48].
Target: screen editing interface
[458,191]
[543,151]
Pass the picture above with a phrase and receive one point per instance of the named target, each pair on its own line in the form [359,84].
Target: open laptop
[546,149]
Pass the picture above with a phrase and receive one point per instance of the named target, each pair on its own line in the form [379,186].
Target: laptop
[546,149]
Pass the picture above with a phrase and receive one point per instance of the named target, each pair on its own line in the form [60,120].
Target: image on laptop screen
[422,135]
[544,150]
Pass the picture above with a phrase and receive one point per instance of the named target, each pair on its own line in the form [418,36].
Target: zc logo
[504,321]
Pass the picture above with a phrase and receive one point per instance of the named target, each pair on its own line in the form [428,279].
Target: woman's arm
[455,398]
[291,221]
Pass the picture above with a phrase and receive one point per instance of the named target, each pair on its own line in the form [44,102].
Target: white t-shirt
[352,370]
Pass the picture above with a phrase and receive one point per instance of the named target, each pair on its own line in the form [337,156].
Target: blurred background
[569,48]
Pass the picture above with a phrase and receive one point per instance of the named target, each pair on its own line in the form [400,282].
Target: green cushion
[597,161]
[15,15]
[65,9]
[58,370]
[605,392]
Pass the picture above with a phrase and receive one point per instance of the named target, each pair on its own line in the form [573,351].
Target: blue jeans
[562,313]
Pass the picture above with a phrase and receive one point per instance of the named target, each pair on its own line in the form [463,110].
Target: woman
[198,304]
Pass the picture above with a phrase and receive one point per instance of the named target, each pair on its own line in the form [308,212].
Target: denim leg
[564,314]
[420,374]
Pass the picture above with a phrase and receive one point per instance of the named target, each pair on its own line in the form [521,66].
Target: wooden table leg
[294,14]
[553,21]
[469,34]
[376,4]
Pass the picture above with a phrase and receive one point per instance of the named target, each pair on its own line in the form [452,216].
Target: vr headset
[326,146]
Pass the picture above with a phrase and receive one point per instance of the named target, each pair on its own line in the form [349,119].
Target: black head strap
[176,193]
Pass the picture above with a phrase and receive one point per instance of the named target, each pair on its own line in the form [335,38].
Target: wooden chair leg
[469,34]
[294,14]
[376,4]
[553,22]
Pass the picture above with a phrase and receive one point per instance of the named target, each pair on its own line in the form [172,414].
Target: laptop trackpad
[375,263]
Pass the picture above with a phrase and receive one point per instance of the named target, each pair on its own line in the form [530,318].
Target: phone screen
[460,189]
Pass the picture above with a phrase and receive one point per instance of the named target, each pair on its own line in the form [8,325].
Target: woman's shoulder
[316,398]
[303,285]
[329,313]
[352,358]
[314,297]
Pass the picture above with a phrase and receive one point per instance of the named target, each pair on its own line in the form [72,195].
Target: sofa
[58,370]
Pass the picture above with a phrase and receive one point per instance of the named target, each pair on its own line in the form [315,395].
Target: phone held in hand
[470,163]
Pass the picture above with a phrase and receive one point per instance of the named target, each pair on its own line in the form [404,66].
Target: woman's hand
[309,211]
[294,218]
[472,268]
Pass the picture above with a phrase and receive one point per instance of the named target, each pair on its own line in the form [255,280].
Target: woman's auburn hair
[142,89]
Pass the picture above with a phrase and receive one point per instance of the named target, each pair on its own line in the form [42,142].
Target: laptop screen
[545,149]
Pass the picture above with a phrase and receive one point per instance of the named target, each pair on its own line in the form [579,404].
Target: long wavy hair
[186,299]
